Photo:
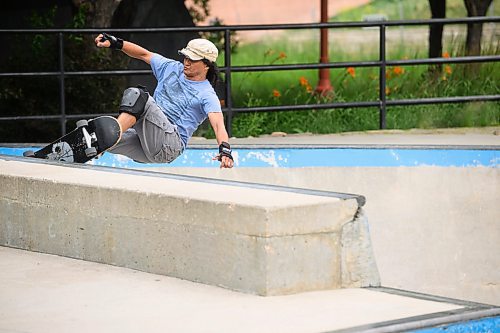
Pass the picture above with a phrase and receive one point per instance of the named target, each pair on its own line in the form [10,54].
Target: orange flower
[446,54]
[398,70]
[447,69]
[303,81]
[282,55]
[276,93]
[351,71]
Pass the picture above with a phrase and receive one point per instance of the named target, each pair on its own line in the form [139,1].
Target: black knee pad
[134,100]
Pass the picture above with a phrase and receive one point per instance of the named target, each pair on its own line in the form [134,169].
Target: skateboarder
[156,129]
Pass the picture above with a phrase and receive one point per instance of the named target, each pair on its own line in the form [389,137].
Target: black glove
[116,43]
[225,150]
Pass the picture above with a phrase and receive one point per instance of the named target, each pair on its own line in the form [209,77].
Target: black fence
[381,103]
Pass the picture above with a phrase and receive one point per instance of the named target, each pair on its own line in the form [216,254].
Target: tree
[438,10]
[475,30]
[139,14]
[20,96]
[99,13]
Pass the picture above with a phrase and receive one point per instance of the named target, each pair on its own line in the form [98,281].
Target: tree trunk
[140,14]
[99,13]
[475,30]
[151,14]
[438,10]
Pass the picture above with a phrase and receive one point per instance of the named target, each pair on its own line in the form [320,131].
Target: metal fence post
[227,64]
[382,82]
[62,99]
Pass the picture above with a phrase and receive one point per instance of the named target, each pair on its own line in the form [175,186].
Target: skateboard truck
[89,138]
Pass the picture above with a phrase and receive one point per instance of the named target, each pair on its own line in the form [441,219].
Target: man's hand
[225,162]
[224,156]
[106,40]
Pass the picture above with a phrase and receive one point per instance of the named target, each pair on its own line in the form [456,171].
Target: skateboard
[88,140]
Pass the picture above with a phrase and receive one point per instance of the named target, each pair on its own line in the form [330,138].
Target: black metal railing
[382,103]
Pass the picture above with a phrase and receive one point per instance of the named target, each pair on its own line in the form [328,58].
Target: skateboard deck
[89,139]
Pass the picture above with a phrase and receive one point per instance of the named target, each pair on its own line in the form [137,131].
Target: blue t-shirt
[186,103]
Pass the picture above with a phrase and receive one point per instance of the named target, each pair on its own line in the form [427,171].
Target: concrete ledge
[262,241]
[434,229]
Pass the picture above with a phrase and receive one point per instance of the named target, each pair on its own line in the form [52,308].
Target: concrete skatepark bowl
[424,219]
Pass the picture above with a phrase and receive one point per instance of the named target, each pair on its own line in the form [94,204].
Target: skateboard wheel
[29,153]
[90,152]
[81,123]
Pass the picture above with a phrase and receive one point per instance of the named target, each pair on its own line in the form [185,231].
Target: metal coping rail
[228,69]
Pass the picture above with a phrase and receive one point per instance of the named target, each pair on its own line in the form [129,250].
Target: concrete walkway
[46,293]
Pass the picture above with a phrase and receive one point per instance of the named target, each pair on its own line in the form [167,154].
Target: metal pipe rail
[289,26]
[228,69]
[268,68]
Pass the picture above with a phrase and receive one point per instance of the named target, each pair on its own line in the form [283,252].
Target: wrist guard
[115,43]
[225,150]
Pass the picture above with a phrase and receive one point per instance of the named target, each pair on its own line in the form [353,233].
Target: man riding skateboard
[156,129]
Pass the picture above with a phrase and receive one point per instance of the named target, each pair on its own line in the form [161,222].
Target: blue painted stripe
[485,325]
[322,157]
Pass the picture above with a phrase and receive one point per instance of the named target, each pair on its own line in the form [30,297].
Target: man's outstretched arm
[217,121]
[129,48]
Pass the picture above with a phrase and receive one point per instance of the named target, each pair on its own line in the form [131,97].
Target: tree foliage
[39,96]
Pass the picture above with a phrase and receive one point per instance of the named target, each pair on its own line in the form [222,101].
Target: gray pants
[153,139]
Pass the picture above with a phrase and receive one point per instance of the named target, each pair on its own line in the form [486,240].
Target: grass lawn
[407,10]
[294,87]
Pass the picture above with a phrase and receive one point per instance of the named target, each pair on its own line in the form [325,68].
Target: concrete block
[433,229]
[261,241]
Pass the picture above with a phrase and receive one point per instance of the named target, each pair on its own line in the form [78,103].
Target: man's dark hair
[213,72]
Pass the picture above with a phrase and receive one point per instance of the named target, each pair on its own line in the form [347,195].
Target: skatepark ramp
[433,210]
[265,240]
[274,225]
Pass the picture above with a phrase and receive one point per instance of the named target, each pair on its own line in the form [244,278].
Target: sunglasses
[205,61]
[191,60]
